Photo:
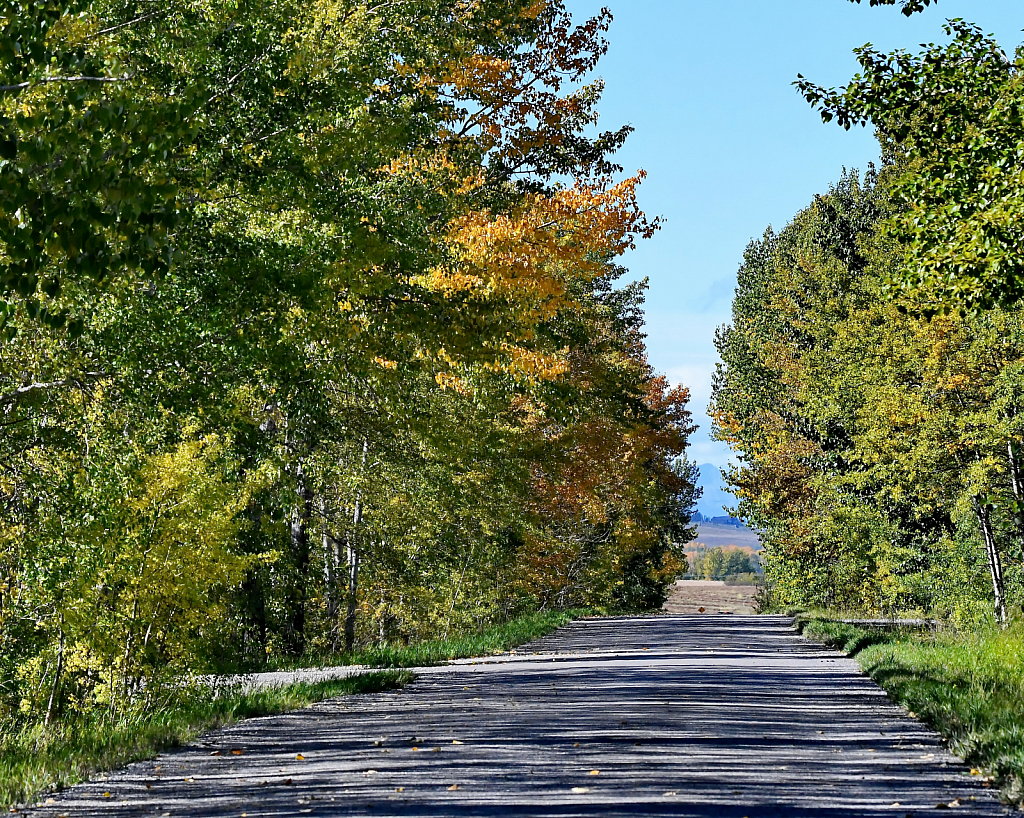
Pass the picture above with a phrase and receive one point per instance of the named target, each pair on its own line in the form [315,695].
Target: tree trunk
[332,570]
[54,702]
[300,556]
[1018,493]
[353,563]
[353,587]
[256,613]
[455,593]
[994,563]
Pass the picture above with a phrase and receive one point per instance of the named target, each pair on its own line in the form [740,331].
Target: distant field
[688,596]
[712,536]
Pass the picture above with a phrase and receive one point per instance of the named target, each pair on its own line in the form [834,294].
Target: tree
[950,117]
[877,456]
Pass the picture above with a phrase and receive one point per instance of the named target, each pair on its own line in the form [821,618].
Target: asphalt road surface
[671,715]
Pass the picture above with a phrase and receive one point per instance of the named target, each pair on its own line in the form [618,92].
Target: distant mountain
[715,497]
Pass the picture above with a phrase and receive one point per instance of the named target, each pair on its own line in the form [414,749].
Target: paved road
[672,715]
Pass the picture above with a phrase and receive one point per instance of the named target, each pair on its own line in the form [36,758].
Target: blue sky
[729,144]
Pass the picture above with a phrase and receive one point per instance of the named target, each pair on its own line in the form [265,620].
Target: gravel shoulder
[667,715]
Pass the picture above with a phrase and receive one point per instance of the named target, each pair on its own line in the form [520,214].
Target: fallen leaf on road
[236,752]
[287,781]
[456,741]
[701,610]
[149,786]
[216,753]
[399,789]
[300,757]
[595,772]
[453,787]
[436,750]
[975,771]
[106,795]
[581,789]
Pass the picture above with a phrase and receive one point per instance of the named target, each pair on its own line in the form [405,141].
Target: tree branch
[22,85]
[21,392]
[141,19]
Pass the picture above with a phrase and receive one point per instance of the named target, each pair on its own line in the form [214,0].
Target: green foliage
[950,117]
[85,139]
[880,447]
[966,685]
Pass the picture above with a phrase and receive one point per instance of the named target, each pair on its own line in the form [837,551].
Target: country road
[670,715]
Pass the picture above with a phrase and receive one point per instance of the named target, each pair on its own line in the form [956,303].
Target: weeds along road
[668,715]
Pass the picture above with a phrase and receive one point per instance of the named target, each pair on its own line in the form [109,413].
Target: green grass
[35,759]
[968,686]
[495,639]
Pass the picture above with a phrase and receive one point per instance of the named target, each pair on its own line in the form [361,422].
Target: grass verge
[35,759]
[968,687]
[494,639]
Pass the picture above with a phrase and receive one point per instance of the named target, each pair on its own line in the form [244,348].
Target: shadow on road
[680,716]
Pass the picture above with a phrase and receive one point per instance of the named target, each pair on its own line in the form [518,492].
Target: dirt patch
[690,595]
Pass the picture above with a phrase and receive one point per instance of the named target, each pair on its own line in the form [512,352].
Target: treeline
[720,563]
[871,377]
[310,338]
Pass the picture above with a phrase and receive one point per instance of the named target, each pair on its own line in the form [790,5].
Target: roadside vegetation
[968,686]
[496,638]
[37,758]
